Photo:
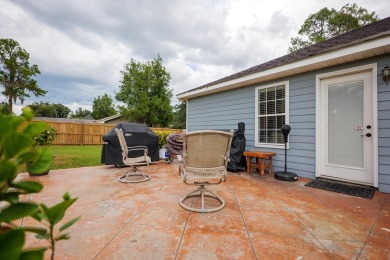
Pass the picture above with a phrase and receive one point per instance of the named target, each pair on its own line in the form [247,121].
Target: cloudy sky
[80,46]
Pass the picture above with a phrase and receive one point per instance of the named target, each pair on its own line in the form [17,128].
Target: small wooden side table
[259,156]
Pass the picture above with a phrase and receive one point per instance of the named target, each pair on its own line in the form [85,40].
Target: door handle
[368,135]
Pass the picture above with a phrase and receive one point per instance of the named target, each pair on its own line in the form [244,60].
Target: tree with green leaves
[145,91]
[326,24]
[47,109]
[80,113]
[4,108]
[62,111]
[16,74]
[43,109]
[103,107]
[179,115]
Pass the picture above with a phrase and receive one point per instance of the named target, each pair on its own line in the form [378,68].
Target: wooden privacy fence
[70,133]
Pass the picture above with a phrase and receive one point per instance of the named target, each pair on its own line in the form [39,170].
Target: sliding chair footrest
[202,193]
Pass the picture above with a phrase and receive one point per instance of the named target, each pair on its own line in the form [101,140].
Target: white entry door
[346,114]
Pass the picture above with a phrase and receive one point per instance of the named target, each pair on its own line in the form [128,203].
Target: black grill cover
[237,160]
[135,134]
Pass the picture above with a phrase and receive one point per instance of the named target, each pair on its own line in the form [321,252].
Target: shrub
[162,138]
[45,138]
[16,143]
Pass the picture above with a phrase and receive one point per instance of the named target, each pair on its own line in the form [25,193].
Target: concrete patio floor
[263,218]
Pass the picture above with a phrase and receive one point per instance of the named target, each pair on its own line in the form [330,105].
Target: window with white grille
[271,114]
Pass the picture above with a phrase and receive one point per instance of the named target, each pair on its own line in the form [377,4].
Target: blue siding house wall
[383,129]
[224,103]
[225,109]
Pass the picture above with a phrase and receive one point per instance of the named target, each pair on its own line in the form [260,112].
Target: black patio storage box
[135,135]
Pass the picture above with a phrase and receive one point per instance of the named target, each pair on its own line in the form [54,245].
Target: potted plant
[41,141]
[162,137]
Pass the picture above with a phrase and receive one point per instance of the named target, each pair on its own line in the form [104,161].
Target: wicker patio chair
[204,162]
[140,158]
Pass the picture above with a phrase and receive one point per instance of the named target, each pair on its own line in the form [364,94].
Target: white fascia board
[323,58]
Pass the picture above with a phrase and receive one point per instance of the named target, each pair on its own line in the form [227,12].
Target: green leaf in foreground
[62,237]
[28,113]
[11,197]
[29,186]
[43,162]
[69,223]
[7,170]
[11,244]
[15,122]
[14,143]
[36,230]
[27,157]
[33,254]
[57,212]
[17,211]
[35,129]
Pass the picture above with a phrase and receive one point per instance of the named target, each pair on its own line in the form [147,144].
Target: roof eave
[105,119]
[350,53]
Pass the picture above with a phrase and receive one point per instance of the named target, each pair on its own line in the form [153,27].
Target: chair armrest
[137,148]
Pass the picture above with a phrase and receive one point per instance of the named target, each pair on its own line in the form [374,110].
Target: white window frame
[287,112]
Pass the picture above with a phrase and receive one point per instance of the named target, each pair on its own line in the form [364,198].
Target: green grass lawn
[76,156]
[73,156]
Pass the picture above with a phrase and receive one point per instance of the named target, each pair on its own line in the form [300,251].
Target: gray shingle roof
[108,118]
[368,32]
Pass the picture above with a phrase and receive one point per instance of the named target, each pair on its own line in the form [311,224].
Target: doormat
[362,191]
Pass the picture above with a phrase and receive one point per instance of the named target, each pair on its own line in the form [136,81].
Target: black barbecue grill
[135,135]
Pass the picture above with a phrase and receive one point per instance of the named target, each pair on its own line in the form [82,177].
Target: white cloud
[81,46]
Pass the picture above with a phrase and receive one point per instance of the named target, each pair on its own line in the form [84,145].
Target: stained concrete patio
[263,218]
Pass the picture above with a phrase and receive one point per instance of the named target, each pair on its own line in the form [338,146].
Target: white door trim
[371,68]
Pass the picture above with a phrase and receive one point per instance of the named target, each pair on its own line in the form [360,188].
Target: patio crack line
[22,222]
[184,229]
[28,200]
[296,218]
[370,232]
[336,209]
[182,233]
[243,220]
[345,215]
[120,230]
